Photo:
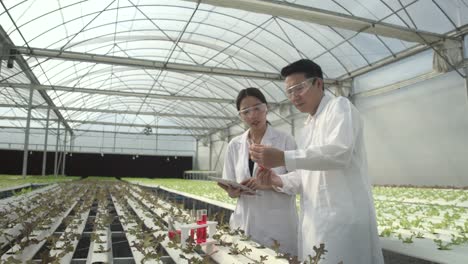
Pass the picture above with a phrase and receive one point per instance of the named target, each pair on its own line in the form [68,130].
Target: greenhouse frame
[147,89]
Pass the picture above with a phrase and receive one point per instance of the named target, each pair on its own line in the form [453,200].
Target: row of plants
[231,245]
[145,219]
[405,213]
[457,197]
[206,189]
[36,222]
[17,213]
[447,226]
[7,181]
[60,249]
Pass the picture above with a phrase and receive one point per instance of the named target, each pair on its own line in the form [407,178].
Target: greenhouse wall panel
[395,72]
[422,139]
[203,157]
[217,157]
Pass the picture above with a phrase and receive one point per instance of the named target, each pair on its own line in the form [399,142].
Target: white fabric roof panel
[203,35]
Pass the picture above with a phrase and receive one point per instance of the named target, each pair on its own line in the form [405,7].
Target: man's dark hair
[306,66]
[251,91]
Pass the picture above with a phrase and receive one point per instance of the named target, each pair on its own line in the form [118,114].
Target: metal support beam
[149,64]
[26,135]
[327,18]
[107,132]
[399,56]
[115,141]
[119,93]
[397,85]
[156,142]
[112,123]
[44,155]
[56,149]
[123,112]
[386,61]
[465,56]
[211,153]
[145,64]
[72,143]
[28,72]
[64,153]
[219,154]
[466,77]
[195,158]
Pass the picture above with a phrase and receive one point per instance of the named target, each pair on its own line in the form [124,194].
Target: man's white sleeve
[292,183]
[340,129]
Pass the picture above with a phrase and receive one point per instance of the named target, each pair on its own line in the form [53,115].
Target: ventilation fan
[147,130]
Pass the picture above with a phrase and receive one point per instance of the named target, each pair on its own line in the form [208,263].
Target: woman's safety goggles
[260,108]
[300,88]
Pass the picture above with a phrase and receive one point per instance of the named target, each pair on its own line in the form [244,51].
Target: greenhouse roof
[126,65]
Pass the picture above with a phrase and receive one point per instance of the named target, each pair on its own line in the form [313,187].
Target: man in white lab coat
[329,170]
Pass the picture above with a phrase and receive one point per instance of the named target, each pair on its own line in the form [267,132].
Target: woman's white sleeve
[229,171]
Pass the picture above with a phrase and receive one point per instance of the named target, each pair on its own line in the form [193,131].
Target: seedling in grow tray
[319,252]
[441,245]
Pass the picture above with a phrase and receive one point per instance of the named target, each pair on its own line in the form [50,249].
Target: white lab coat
[270,215]
[329,170]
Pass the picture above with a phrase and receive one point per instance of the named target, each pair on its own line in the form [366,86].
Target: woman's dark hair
[251,91]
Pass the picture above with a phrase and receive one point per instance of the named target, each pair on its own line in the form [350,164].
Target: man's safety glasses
[260,108]
[300,88]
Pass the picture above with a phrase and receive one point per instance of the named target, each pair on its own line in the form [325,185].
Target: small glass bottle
[201,219]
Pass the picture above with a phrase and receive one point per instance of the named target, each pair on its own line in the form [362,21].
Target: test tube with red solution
[173,234]
[201,220]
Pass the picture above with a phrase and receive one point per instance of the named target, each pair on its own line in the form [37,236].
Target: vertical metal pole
[115,139]
[351,92]
[56,148]
[219,155]
[64,153]
[44,155]
[466,76]
[195,158]
[72,143]
[210,156]
[115,134]
[156,147]
[26,136]
[465,56]
[102,142]
[156,133]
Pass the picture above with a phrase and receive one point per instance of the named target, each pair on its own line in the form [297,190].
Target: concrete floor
[395,258]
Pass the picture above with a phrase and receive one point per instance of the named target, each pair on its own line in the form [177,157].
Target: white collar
[323,102]
[269,134]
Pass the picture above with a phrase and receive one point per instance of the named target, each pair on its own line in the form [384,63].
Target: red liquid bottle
[204,219]
[173,234]
[201,232]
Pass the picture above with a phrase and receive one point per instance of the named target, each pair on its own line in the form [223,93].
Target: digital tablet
[232,184]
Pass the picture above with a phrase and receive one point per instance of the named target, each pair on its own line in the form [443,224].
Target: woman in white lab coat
[269,215]
[329,171]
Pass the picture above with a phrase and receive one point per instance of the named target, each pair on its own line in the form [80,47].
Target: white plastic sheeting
[401,70]
[96,96]
[417,134]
